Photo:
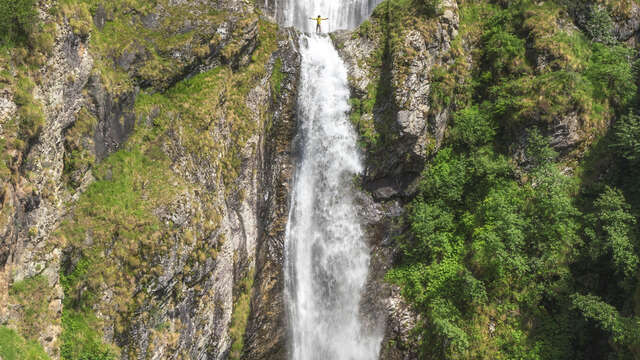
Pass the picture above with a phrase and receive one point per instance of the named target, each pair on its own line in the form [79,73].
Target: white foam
[326,257]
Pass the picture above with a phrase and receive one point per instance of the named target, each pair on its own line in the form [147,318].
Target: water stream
[326,258]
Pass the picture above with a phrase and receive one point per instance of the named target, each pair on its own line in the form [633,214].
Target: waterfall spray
[342,14]
[327,258]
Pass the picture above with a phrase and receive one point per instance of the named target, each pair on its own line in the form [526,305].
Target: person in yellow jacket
[319,20]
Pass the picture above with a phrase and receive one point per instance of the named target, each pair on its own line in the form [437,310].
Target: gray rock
[416,126]
[627,28]
[266,331]
[100,17]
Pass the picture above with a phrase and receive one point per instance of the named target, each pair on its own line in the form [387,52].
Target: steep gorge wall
[198,205]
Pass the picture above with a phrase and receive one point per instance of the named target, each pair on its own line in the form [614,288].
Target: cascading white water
[326,258]
[342,14]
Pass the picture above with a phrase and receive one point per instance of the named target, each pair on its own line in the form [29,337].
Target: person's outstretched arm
[325,19]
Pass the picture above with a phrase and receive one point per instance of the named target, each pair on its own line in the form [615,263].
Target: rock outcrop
[403,112]
[35,200]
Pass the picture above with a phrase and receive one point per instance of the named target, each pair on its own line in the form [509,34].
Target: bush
[600,26]
[612,75]
[611,234]
[15,347]
[17,20]
[81,340]
[627,137]
[472,127]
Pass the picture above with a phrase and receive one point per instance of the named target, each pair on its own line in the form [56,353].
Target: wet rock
[266,331]
[116,118]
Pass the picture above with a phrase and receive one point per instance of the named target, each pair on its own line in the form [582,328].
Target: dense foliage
[17,19]
[533,256]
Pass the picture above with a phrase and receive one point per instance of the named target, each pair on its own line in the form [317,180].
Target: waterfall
[326,257]
[342,14]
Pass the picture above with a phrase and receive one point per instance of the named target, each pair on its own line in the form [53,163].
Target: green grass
[240,315]
[81,339]
[277,76]
[15,347]
[117,212]
[33,296]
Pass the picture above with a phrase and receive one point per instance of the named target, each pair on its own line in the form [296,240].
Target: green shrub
[627,137]
[81,338]
[600,26]
[625,331]
[17,20]
[472,127]
[15,347]
[538,151]
[611,233]
[612,75]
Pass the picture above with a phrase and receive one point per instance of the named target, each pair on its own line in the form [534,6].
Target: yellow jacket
[319,19]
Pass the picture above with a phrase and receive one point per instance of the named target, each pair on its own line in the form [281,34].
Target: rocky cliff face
[179,300]
[34,197]
[391,86]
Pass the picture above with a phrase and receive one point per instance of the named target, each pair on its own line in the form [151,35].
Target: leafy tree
[627,137]
[610,232]
[624,331]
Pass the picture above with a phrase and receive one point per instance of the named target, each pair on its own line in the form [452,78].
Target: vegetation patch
[240,315]
[32,295]
[114,237]
[525,259]
[15,347]
[80,338]
[17,19]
